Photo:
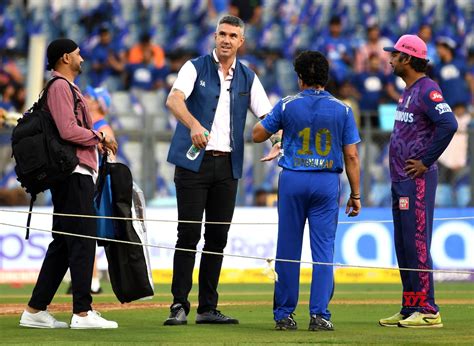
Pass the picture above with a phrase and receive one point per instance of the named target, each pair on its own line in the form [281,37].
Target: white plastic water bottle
[194,151]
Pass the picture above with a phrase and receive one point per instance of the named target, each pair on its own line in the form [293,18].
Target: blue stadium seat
[444,196]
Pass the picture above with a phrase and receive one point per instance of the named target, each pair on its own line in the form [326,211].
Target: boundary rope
[208,222]
[268,260]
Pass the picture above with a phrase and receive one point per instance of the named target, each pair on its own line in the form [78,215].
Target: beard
[399,72]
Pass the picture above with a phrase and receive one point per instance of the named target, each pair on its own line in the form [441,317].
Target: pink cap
[411,45]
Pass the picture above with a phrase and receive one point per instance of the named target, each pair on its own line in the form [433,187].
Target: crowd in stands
[137,46]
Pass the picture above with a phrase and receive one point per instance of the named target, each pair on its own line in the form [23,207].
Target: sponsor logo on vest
[436,96]
[404,116]
[443,108]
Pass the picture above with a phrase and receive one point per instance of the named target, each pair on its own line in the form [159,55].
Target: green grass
[252,304]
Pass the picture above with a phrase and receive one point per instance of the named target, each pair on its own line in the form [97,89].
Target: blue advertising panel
[371,243]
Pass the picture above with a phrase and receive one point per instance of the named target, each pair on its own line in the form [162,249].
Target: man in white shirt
[210,98]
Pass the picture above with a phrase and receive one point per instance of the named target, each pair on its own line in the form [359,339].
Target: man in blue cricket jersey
[424,126]
[319,131]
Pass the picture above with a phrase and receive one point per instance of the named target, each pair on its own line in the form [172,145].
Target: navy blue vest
[202,104]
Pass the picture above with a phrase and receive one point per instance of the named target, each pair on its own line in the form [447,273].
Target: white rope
[268,260]
[209,222]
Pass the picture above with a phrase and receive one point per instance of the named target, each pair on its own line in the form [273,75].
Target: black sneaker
[287,323]
[319,323]
[215,317]
[177,316]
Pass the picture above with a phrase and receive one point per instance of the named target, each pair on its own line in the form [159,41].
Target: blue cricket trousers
[314,196]
[413,208]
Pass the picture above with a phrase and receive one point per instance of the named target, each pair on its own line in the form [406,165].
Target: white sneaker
[41,319]
[93,320]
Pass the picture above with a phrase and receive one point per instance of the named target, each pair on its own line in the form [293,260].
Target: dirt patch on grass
[17,309]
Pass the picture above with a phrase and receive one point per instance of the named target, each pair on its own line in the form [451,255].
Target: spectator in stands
[9,70]
[425,32]
[145,75]
[99,102]
[470,69]
[216,8]
[108,60]
[136,55]
[394,87]
[7,97]
[261,196]
[346,93]
[451,73]
[370,89]
[269,73]
[250,11]
[337,49]
[453,161]
[374,45]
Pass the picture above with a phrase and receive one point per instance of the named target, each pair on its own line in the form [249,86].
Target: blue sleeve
[273,121]
[445,124]
[350,134]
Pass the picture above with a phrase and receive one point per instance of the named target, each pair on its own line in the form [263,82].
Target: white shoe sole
[439,325]
[41,326]
[388,325]
[94,327]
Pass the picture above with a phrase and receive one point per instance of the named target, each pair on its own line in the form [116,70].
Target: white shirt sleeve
[259,103]
[186,77]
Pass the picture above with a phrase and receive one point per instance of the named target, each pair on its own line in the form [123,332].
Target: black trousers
[73,196]
[214,190]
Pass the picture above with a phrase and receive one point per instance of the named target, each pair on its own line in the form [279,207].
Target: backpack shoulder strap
[28,222]
[44,93]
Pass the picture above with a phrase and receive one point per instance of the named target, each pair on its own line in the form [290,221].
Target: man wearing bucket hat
[424,126]
[74,195]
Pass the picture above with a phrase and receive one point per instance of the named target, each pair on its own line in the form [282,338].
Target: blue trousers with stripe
[413,204]
[312,196]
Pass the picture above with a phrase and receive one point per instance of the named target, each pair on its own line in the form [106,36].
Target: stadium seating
[286,27]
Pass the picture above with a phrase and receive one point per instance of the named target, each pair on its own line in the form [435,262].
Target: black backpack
[42,157]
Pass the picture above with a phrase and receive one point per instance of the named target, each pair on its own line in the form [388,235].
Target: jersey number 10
[322,136]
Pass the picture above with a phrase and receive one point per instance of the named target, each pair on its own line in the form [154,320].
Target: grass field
[356,309]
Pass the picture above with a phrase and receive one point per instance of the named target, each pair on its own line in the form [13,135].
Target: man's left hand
[274,152]
[415,168]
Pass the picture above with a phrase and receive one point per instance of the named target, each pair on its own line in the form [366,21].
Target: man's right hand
[110,144]
[198,137]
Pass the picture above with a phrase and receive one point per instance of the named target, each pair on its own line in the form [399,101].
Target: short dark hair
[232,20]
[312,68]
[419,65]
[335,20]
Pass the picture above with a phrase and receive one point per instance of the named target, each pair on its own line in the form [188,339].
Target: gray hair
[232,20]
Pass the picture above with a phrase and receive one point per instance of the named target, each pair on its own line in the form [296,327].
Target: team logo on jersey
[443,108]
[403,203]
[436,96]
[202,83]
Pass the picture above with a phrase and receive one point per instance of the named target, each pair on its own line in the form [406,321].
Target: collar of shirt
[216,60]
[57,74]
